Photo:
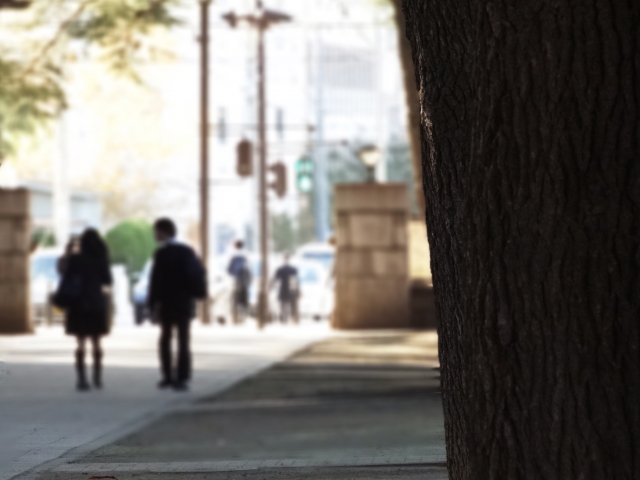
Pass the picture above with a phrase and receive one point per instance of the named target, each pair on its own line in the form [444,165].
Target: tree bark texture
[530,115]
[413,105]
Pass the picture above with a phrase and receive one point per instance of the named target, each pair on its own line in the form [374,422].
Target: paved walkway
[354,406]
[42,416]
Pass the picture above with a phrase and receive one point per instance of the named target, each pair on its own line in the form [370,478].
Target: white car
[318,252]
[316,290]
[140,294]
[43,282]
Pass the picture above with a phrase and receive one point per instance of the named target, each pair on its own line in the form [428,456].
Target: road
[43,417]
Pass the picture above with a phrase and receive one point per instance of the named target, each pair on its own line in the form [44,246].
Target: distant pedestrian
[286,277]
[240,270]
[178,279]
[83,294]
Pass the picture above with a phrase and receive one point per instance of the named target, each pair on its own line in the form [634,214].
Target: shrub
[131,244]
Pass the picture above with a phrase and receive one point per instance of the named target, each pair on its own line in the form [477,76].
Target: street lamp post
[370,156]
[262,20]
[204,144]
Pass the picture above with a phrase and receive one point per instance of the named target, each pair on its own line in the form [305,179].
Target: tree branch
[15,4]
[51,43]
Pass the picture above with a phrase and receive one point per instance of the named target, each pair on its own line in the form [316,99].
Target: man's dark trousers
[184,353]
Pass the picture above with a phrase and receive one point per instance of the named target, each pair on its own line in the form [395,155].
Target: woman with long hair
[88,316]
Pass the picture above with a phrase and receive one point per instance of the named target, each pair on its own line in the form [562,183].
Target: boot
[97,369]
[83,385]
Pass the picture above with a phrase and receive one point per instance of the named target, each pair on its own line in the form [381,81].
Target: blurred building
[332,82]
[85,208]
[333,78]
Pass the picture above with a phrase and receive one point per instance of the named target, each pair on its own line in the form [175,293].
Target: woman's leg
[80,368]
[97,361]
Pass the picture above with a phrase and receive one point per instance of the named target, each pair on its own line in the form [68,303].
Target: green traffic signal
[304,175]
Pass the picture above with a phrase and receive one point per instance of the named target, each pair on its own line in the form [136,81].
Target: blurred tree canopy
[131,244]
[38,37]
[283,233]
[288,233]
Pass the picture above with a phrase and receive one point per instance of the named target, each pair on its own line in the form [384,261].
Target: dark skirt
[88,322]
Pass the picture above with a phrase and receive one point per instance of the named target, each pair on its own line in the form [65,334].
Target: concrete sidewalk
[42,416]
[354,406]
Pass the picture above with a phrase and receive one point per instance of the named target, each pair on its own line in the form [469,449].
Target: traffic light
[304,174]
[244,165]
[280,182]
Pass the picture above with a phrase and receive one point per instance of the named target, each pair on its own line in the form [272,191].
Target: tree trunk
[413,105]
[531,157]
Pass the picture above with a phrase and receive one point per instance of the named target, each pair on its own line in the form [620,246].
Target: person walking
[178,279]
[241,273]
[286,277]
[83,294]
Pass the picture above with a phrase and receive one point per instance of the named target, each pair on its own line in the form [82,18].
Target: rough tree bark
[531,157]
[413,104]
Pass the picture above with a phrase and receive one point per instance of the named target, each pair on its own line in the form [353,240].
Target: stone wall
[372,265]
[14,261]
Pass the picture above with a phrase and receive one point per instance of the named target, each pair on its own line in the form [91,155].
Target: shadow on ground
[362,405]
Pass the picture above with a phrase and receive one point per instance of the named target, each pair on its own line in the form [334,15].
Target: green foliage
[32,64]
[400,169]
[131,244]
[118,27]
[344,167]
[43,237]
[27,100]
[289,233]
[283,233]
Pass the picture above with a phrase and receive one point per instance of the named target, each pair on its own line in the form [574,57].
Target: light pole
[261,20]
[204,144]
[370,156]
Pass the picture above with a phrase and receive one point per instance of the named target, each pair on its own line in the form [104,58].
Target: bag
[237,263]
[69,291]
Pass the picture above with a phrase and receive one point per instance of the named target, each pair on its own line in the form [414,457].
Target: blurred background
[100,120]
[289,125]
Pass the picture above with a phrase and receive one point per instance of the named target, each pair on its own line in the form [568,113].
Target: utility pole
[263,292]
[321,190]
[204,144]
[60,188]
[262,21]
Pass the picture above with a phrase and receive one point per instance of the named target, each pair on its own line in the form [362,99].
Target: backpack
[236,265]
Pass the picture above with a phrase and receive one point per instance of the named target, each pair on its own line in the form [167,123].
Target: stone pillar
[14,261]
[372,266]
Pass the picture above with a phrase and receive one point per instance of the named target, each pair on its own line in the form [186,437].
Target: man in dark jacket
[178,279]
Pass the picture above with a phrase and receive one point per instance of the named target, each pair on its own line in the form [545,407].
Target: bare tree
[531,155]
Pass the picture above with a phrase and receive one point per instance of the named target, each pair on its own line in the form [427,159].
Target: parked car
[318,252]
[140,295]
[316,290]
[43,282]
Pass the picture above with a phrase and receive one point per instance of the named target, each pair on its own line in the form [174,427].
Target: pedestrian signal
[304,175]
[280,182]
[244,165]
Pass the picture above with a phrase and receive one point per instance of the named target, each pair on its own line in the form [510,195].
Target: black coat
[177,280]
[89,316]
